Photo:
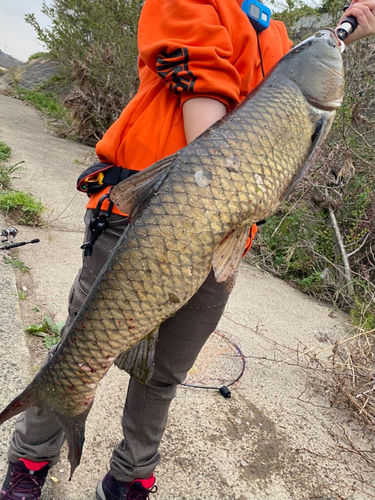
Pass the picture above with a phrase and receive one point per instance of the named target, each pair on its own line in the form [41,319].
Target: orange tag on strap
[253,231]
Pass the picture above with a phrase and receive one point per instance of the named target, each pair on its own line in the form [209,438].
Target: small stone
[243,463]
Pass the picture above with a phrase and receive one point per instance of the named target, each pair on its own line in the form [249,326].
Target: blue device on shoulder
[258,14]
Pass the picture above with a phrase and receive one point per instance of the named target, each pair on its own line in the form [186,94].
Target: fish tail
[74,429]
[27,399]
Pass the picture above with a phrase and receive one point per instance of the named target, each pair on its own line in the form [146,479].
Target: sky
[17,38]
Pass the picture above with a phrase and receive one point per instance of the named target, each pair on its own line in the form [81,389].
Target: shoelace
[23,483]
[143,494]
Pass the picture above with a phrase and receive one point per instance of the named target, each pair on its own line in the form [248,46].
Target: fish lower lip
[325,105]
[340,43]
[342,46]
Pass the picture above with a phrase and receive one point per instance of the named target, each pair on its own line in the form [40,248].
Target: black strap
[98,224]
[88,182]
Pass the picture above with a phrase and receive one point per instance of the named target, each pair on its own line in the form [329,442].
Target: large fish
[189,213]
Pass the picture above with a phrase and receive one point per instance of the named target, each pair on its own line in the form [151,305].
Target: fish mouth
[339,43]
[331,33]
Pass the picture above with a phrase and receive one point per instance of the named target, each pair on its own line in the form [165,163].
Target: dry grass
[98,98]
[344,372]
[347,374]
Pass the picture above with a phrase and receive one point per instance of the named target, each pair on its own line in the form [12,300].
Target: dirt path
[273,439]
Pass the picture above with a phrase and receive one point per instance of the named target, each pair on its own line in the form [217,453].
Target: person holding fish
[197,61]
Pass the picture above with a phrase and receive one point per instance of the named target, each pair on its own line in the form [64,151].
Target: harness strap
[92,180]
[98,224]
[100,175]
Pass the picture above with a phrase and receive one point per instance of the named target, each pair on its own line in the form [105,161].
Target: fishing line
[64,210]
[223,389]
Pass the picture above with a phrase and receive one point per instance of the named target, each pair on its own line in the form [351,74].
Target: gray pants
[39,437]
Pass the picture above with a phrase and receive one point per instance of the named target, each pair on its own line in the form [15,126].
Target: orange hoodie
[187,48]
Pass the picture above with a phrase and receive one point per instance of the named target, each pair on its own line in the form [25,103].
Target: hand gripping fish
[189,213]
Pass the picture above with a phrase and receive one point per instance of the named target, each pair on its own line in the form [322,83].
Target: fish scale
[187,214]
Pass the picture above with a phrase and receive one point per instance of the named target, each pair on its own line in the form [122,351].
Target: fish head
[316,67]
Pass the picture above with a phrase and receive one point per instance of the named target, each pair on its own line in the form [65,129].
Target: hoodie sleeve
[185,43]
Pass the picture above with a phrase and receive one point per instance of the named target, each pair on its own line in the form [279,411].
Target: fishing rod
[20,244]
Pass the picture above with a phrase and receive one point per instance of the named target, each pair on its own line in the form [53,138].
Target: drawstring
[260,55]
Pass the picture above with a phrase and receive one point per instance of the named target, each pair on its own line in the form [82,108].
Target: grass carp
[189,213]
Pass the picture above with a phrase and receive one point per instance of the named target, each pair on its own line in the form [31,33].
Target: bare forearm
[199,113]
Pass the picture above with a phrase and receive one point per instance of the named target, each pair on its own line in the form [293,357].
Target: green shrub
[50,332]
[99,58]
[23,207]
[38,55]
[17,264]
[5,151]
[44,101]
[7,171]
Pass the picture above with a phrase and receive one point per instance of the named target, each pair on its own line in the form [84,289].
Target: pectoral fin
[321,130]
[228,256]
[133,193]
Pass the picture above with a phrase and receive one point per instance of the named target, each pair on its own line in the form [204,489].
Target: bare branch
[340,242]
